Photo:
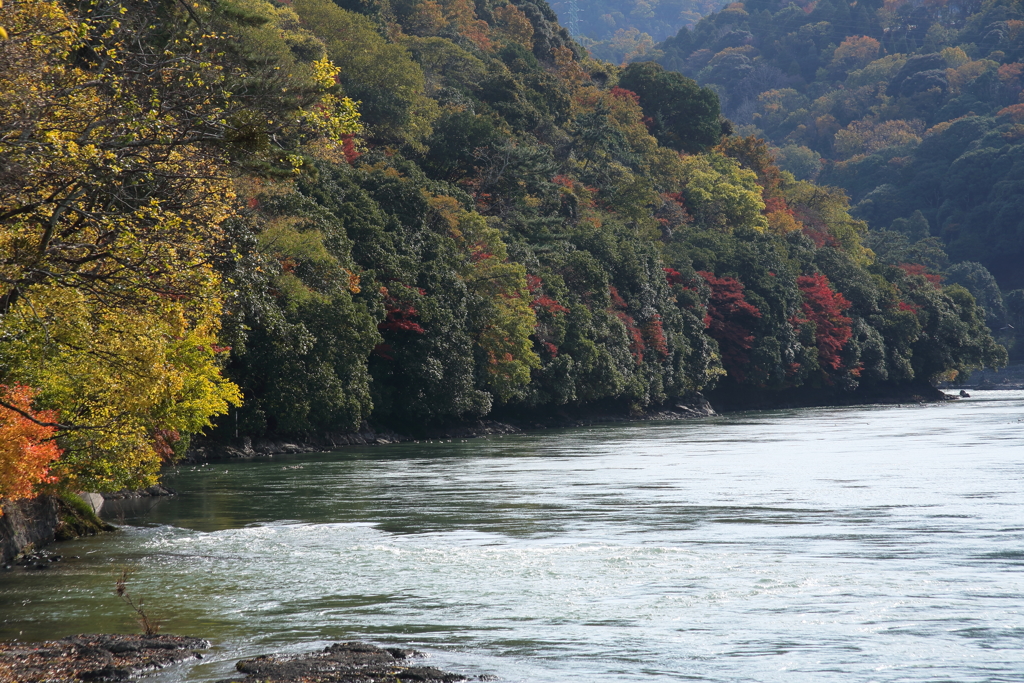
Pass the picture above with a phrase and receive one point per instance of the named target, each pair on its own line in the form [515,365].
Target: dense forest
[287,218]
[915,109]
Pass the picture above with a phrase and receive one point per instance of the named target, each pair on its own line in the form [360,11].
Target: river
[879,543]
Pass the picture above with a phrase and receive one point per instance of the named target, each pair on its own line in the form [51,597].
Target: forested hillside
[914,109]
[291,218]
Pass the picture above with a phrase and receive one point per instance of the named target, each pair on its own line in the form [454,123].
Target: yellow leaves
[335,118]
[969,71]
[782,222]
[325,73]
[447,211]
[955,56]
[722,194]
[632,44]
[120,374]
[283,237]
[513,24]
[353,282]
[867,136]
[115,319]
[568,68]
[855,52]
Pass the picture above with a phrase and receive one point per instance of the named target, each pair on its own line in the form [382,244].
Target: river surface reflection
[849,544]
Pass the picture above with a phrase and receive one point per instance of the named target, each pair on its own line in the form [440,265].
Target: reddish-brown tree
[636,337]
[729,320]
[825,307]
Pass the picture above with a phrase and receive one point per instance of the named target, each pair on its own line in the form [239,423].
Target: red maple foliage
[163,443]
[400,318]
[636,337]
[673,276]
[918,269]
[478,252]
[772,204]
[546,303]
[820,236]
[541,301]
[729,320]
[348,148]
[825,308]
[27,448]
[623,94]
[815,227]
[654,335]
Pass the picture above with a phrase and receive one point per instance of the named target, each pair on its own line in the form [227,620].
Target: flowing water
[847,544]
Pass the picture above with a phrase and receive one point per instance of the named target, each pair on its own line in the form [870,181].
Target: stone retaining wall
[31,522]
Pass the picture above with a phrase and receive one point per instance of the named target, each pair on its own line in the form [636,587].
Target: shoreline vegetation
[694,405]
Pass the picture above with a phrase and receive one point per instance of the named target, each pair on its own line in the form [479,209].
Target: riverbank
[729,397]
[119,657]
[693,406]
[94,657]
[30,524]
[725,399]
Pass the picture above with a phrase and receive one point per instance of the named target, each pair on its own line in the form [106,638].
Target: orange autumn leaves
[26,443]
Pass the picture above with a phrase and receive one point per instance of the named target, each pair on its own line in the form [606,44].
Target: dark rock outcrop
[35,522]
[353,662]
[27,524]
[94,657]
[157,490]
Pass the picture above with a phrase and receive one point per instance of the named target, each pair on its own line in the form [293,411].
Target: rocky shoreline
[94,657]
[110,658]
[353,662]
[29,524]
[693,406]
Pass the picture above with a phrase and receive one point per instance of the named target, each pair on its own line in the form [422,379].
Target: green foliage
[381,76]
[685,115]
[721,194]
[605,20]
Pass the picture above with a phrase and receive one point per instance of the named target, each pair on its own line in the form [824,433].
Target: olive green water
[853,544]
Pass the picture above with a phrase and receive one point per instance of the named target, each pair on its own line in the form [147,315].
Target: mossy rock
[76,518]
